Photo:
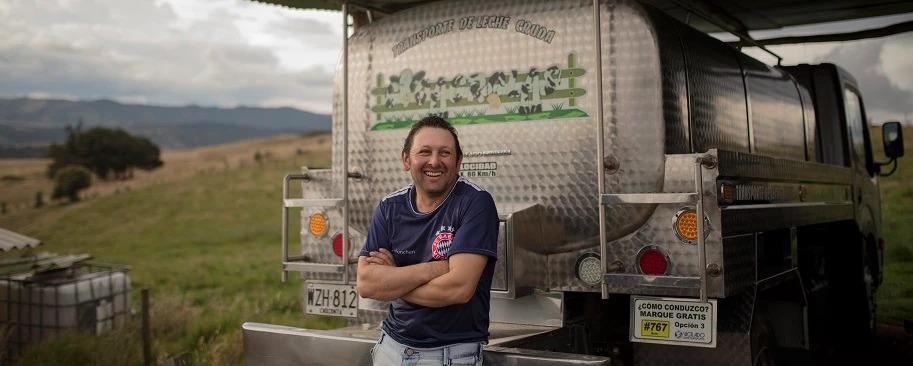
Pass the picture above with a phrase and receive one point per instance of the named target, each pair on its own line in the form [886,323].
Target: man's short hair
[435,122]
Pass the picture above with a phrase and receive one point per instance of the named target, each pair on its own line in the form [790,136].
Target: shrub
[70,180]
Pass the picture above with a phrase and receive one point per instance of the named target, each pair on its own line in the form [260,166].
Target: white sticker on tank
[686,322]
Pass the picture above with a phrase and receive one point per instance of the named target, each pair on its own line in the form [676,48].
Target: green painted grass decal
[475,119]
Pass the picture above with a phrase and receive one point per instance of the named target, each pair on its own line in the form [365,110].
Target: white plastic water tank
[93,301]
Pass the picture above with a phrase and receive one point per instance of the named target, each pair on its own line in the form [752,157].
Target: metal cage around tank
[91,297]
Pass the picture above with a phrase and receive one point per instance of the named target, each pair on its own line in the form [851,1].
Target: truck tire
[763,341]
[869,307]
[852,297]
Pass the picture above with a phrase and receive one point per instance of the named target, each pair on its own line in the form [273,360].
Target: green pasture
[895,297]
[207,248]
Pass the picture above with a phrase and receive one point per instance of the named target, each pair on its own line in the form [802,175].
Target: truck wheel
[852,299]
[869,307]
[763,342]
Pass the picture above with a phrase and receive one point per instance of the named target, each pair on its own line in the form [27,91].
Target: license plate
[331,299]
[685,322]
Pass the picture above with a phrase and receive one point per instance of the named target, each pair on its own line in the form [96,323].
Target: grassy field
[895,297]
[21,179]
[207,246]
[203,235]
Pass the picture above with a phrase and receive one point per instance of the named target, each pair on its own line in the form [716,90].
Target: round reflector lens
[653,262]
[589,269]
[337,245]
[686,225]
[317,225]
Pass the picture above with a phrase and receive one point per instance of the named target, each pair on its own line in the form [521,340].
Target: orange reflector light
[686,225]
[653,262]
[337,244]
[727,192]
[317,225]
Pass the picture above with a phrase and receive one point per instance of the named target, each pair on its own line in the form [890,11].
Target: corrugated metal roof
[10,240]
[64,261]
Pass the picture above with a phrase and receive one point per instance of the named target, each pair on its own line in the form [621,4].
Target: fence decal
[535,94]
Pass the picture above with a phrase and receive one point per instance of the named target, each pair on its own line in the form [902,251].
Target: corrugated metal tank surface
[674,83]
[518,80]
[719,118]
[547,157]
[776,111]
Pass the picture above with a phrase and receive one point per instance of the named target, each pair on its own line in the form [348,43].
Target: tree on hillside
[68,153]
[109,153]
[70,180]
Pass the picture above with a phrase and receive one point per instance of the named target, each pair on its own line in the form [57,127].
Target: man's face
[432,161]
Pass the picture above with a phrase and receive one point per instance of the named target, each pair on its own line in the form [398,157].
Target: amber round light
[686,225]
[317,225]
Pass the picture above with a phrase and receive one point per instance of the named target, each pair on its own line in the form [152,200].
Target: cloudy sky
[237,52]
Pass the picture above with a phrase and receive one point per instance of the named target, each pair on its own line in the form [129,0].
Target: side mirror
[892,136]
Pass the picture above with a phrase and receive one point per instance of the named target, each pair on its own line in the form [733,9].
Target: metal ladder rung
[648,198]
[302,202]
[311,267]
[628,280]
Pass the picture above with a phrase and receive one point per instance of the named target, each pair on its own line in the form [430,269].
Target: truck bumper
[274,345]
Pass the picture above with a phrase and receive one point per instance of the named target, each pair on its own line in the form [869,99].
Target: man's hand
[379,278]
[382,257]
[457,286]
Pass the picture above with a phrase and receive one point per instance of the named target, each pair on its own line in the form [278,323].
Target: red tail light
[337,244]
[653,262]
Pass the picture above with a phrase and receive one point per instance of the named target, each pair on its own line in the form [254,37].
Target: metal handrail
[345,139]
[701,249]
[288,178]
[288,262]
[647,198]
[343,202]
[600,144]
[696,197]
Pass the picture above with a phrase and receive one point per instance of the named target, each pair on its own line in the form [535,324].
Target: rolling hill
[29,123]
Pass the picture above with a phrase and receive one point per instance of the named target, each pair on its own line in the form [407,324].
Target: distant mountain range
[28,125]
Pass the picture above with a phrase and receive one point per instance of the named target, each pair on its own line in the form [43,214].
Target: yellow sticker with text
[654,328]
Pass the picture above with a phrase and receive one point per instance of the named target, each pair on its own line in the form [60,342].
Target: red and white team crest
[440,248]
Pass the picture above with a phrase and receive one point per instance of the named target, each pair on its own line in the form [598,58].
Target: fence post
[147,361]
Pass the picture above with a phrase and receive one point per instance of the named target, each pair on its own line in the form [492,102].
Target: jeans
[388,352]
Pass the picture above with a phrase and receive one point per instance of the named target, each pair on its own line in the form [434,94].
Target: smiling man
[431,250]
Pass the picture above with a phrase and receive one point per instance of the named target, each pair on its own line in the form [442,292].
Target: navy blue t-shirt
[466,222]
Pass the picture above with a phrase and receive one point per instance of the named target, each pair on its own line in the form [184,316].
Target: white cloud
[240,52]
[883,67]
[897,61]
[222,53]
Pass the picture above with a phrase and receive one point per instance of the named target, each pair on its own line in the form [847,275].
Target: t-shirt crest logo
[440,248]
